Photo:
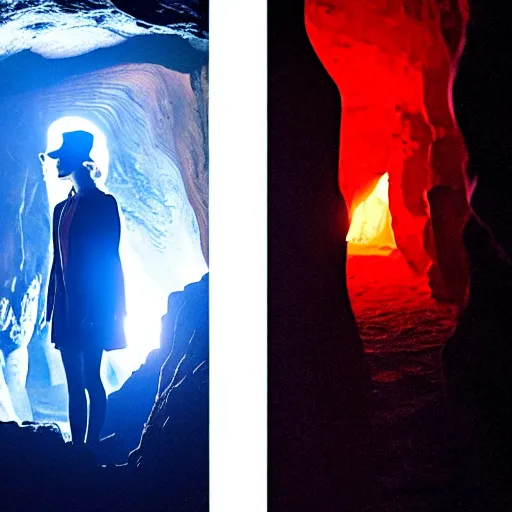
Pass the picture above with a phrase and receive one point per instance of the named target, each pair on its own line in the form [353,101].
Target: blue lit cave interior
[135,75]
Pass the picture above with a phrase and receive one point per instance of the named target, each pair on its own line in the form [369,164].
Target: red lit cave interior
[401,173]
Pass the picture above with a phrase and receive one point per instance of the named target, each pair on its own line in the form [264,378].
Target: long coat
[86,303]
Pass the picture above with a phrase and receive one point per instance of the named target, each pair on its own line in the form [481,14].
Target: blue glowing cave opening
[147,281]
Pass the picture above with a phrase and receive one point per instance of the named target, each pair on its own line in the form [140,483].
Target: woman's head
[74,151]
[69,165]
[73,159]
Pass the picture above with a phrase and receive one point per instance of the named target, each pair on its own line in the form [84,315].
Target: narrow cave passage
[403,329]
[393,304]
[392,66]
[401,173]
[401,165]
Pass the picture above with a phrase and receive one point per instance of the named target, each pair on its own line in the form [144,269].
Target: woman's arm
[50,294]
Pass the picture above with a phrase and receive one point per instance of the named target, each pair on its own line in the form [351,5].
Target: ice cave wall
[155,122]
[392,62]
[157,147]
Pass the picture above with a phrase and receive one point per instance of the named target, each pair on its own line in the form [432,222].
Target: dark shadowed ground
[423,456]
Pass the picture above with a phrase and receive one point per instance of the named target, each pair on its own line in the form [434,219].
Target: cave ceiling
[64,28]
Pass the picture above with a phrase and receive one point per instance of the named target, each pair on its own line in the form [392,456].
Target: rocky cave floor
[422,460]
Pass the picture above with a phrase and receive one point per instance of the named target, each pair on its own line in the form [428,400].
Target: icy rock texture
[157,156]
[58,28]
[23,262]
[18,329]
[392,64]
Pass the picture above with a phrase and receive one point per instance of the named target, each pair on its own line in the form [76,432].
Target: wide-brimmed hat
[76,144]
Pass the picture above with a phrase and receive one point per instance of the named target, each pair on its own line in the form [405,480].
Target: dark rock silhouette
[448,215]
[478,357]
[129,408]
[173,454]
[40,470]
[318,382]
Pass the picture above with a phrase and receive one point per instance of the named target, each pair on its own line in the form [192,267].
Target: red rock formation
[392,63]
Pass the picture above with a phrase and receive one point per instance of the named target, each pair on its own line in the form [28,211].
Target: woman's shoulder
[100,195]
[58,208]
[111,200]
[105,203]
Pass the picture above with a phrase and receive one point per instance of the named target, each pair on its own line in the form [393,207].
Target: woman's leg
[73,366]
[97,395]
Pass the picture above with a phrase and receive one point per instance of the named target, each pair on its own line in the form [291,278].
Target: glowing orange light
[370,229]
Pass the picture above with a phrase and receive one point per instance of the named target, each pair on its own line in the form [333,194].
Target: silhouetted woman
[86,303]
